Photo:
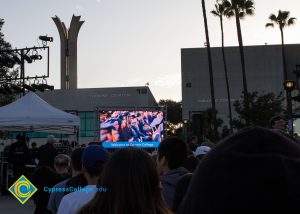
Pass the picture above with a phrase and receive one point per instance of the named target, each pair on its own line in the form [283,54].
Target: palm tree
[239,9]
[282,20]
[211,78]
[220,11]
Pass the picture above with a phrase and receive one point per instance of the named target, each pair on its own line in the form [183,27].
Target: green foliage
[174,110]
[7,70]
[208,130]
[262,107]
[283,19]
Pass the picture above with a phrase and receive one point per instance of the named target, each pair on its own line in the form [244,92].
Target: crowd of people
[131,126]
[255,170]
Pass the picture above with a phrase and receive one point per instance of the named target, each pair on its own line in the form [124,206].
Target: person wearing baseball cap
[94,158]
[201,151]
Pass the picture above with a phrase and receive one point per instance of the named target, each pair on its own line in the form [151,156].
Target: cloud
[98,0]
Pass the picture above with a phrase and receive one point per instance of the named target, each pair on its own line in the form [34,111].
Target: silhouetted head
[62,163]
[172,152]
[93,160]
[277,122]
[20,138]
[51,139]
[76,156]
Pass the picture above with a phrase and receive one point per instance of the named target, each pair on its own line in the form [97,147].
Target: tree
[174,110]
[173,125]
[220,11]
[7,71]
[282,20]
[239,9]
[211,77]
[262,107]
[208,125]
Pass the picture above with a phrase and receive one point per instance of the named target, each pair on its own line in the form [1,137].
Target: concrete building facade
[264,72]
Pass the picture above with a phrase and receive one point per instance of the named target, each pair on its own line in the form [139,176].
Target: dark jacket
[169,181]
[181,190]
[43,176]
[18,153]
[18,156]
[46,155]
[77,181]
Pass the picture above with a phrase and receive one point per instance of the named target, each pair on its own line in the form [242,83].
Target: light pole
[289,85]
[185,124]
[20,56]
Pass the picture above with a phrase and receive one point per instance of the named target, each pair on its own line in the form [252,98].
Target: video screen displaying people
[123,127]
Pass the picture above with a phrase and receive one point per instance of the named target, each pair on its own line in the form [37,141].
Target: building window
[87,124]
[188,84]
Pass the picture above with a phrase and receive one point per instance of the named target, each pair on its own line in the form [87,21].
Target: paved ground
[10,205]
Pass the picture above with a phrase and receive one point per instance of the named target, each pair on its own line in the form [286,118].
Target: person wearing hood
[256,170]
[172,152]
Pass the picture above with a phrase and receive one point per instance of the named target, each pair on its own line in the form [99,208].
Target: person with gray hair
[62,165]
[47,152]
[51,139]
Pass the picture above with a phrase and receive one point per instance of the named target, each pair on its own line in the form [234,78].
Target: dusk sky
[132,42]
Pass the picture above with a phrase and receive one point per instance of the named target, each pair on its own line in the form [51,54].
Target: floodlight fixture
[38,87]
[47,87]
[36,57]
[46,38]
[29,88]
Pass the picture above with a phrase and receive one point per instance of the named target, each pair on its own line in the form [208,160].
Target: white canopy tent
[31,113]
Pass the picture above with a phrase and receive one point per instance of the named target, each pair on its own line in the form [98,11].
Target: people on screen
[129,126]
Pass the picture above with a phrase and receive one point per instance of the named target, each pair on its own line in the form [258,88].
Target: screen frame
[152,109]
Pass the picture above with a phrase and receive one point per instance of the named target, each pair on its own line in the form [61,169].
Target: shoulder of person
[65,205]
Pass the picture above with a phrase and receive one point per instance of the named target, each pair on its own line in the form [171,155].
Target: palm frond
[217,8]
[234,2]
[273,17]
[221,8]
[269,25]
[283,15]
[229,13]
[215,13]
[249,4]
[291,21]
[250,12]
[226,4]
[242,14]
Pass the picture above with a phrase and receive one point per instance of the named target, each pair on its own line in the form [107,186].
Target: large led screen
[119,129]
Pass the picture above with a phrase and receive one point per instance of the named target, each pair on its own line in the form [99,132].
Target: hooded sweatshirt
[169,181]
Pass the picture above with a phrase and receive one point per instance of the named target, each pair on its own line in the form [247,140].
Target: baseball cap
[202,150]
[94,156]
